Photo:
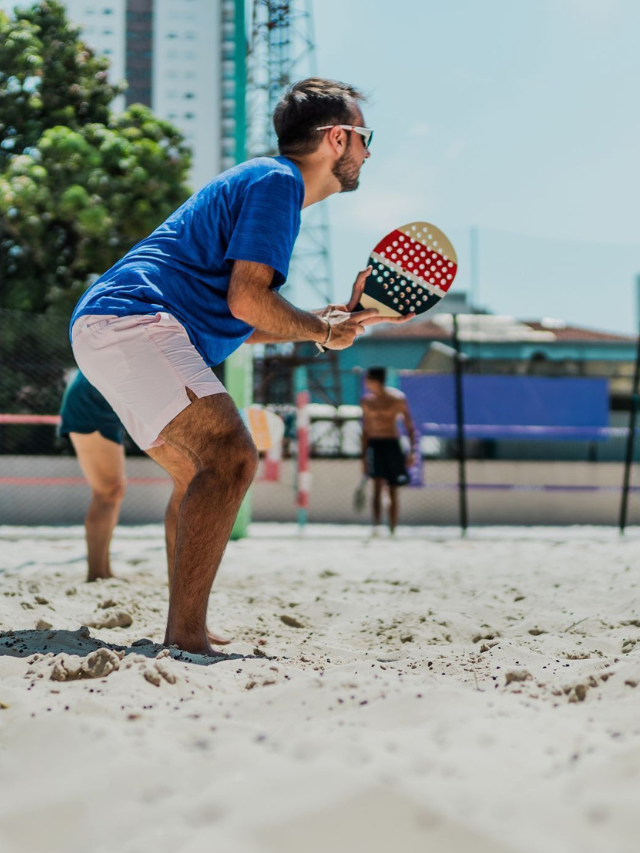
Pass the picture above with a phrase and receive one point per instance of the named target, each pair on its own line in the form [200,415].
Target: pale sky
[517,116]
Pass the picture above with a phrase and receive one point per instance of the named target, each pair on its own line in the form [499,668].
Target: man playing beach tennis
[148,331]
[383,459]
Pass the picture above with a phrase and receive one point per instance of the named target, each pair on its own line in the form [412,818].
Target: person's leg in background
[394,508]
[102,463]
[378,488]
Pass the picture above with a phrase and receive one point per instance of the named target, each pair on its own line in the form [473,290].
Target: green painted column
[238,377]
[238,368]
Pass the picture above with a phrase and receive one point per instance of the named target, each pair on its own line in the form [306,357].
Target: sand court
[423,693]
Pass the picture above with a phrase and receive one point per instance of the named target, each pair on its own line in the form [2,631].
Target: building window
[189,95]
[189,115]
[107,11]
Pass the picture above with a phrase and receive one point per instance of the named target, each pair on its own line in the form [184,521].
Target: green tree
[48,77]
[78,187]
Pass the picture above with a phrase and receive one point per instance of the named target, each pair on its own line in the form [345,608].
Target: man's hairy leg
[210,432]
[182,471]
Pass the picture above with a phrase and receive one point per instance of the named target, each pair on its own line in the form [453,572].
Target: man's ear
[336,137]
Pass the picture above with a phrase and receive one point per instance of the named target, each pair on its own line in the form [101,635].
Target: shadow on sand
[23,644]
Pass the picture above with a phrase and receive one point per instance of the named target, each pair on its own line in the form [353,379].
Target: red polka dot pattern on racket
[413,268]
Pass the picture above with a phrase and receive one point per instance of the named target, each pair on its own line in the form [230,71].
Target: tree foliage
[78,186]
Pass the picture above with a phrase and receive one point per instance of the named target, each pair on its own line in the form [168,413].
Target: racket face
[413,268]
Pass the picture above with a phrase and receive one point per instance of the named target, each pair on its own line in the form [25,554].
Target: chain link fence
[499,464]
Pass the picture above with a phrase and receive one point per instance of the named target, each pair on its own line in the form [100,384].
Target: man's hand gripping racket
[410,270]
[348,321]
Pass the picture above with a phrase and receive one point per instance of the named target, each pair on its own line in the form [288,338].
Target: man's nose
[367,153]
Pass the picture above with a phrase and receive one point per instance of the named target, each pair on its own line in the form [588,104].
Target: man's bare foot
[217,639]
[194,645]
[92,578]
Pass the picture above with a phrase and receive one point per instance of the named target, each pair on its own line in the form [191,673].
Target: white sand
[382,723]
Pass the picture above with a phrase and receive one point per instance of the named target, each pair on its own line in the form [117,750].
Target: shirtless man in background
[382,456]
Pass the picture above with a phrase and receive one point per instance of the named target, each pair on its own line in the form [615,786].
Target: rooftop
[495,328]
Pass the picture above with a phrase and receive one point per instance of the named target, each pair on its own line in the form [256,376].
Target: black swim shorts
[386,460]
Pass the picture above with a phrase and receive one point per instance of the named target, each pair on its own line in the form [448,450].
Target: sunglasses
[365,132]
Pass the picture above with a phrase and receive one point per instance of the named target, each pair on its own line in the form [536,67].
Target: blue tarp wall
[497,407]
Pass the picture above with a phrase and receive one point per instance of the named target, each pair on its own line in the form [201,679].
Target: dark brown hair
[310,104]
[378,374]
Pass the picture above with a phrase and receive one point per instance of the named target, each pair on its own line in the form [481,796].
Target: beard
[346,172]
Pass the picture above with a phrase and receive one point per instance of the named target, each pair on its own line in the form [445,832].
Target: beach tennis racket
[413,268]
[360,495]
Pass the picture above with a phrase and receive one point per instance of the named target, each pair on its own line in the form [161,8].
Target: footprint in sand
[98,664]
[113,619]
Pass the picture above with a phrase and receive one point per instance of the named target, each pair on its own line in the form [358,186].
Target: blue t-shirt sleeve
[268,223]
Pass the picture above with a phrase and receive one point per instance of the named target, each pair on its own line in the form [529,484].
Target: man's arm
[260,337]
[251,299]
[405,413]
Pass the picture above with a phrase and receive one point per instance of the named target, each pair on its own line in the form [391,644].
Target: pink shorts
[142,364]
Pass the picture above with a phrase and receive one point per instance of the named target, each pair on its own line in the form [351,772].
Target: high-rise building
[183,58]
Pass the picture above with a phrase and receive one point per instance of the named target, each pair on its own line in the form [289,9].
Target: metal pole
[474,296]
[303,474]
[628,462]
[462,472]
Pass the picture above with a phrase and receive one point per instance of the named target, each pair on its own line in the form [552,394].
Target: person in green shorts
[97,436]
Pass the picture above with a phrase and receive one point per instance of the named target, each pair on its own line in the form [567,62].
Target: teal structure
[408,353]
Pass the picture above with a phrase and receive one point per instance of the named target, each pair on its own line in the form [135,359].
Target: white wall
[186,77]
[103,25]
[51,490]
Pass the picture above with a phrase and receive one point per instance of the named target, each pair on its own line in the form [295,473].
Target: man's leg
[102,463]
[394,508]
[182,471]
[210,432]
[378,485]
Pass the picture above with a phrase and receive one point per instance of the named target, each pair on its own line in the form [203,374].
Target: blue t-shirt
[248,213]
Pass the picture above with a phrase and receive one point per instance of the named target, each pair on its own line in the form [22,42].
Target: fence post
[462,471]
[303,474]
[238,375]
[628,462]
